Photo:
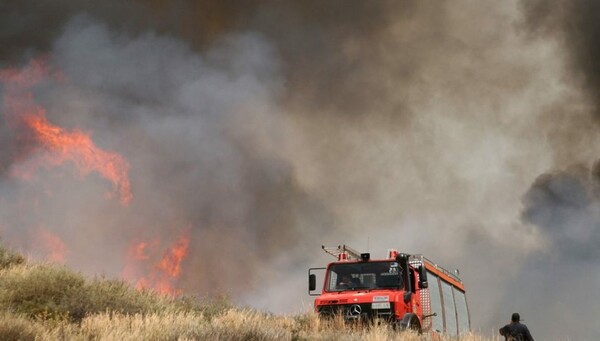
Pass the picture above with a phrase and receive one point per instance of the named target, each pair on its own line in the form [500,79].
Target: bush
[54,292]
[41,291]
[102,295]
[9,258]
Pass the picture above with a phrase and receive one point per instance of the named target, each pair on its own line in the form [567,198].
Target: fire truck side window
[449,310]
[437,324]
[461,312]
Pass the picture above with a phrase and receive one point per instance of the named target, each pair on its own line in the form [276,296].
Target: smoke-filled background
[466,131]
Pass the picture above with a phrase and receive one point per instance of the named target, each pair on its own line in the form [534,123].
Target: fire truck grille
[361,311]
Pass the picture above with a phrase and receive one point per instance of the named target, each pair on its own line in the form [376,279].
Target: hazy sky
[463,130]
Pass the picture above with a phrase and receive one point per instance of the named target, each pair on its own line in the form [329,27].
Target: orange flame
[140,251]
[162,272]
[170,264]
[79,148]
[58,144]
[149,264]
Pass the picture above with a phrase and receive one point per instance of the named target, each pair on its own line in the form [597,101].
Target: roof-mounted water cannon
[402,258]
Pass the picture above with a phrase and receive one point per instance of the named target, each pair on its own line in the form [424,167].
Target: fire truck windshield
[364,275]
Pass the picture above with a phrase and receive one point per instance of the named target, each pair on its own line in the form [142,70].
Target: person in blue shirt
[515,330]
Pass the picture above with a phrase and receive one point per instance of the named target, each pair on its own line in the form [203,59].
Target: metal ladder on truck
[342,252]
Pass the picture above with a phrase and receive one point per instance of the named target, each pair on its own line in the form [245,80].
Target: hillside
[50,302]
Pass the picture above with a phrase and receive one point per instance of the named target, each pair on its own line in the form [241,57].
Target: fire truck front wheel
[410,322]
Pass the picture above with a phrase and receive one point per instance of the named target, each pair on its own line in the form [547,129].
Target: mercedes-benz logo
[355,310]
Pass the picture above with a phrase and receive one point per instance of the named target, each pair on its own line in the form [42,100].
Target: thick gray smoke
[268,129]
[566,208]
[202,134]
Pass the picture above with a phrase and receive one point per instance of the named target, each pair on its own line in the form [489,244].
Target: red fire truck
[408,290]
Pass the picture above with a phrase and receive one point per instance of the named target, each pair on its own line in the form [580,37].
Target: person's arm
[528,335]
[503,330]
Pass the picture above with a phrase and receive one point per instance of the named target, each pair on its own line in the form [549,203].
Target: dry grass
[46,302]
[233,324]
[18,328]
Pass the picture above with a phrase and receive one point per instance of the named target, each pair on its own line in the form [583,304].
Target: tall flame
[170,264]
[148,270]
[56,144]
[151,263]
[78,148]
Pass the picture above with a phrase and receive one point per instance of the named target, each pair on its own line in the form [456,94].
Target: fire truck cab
[408,290]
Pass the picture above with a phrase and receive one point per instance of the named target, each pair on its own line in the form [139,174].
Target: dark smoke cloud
[344,39]
[577,26]
[565,205]
[271,128]
[29,27]
[566,208]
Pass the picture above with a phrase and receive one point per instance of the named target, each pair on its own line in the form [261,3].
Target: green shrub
[54,292]
[9,258]
[50,292]
[103,295]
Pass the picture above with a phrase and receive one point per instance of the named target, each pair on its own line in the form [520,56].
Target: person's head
[515,317]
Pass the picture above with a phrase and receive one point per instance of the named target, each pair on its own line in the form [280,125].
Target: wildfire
[150,271]
[150,264]
[55,143]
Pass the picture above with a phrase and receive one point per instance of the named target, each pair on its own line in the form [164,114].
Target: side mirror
[312,282]
[423,277]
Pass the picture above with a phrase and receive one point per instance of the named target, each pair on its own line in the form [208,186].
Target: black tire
[410,322]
